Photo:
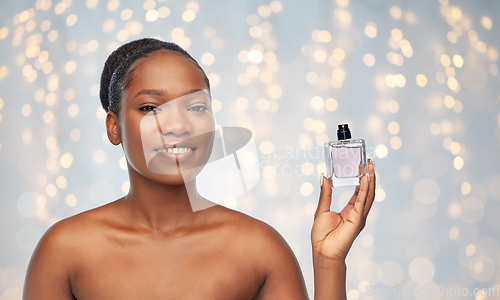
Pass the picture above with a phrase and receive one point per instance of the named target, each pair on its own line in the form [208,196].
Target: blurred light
[395,12]
[71,20]
[216,105]
[306,189]
[393,106]
[452,37]
[393,127]
[209,32]
[319,126]
[256,56]
[255,31]
[75,135]
[486,22]
[369,60]
[207,59]
[319,55]
[26,110]
[264,11]
[331,104]
[453,233]
[26,136]
[4,31]
[123,163]
[435,129]
[381,151]
[396,143]
[108,25]
[421,80]
[445,60]
[397,34]
[449,101]
[465,188]
[458,163]
[113,5]
[44,26]
[71,200]
[51,190]
[276,6]
[152,15]
[440,77]
[126,14]
[92,3]
[317,102]
[70,66]
[342,15]
[421,270]
[312,77]
[48,117]
[125,187]
[73,110]
[61,182]
[371,30]
[66,160]
[122,35]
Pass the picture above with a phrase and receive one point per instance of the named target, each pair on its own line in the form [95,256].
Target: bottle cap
[343,133]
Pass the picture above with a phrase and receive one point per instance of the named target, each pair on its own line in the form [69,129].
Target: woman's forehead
[173,73]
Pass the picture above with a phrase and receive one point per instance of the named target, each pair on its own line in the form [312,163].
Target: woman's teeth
[175,150]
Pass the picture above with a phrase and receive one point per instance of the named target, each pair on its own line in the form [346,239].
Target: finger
[345,211]
[325,196]
[356,213]
[371,189]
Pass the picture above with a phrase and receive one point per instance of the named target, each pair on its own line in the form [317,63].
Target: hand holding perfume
[345,159]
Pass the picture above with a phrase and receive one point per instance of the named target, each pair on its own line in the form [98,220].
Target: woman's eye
[199,108]
[147,108]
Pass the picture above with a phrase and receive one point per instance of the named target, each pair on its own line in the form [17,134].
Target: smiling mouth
[172,150]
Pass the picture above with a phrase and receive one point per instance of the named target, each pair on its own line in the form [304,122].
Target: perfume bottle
[345,159]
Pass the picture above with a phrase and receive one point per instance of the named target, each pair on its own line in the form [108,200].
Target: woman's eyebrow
[162,93]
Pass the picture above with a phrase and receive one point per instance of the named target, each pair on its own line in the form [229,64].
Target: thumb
[325,196]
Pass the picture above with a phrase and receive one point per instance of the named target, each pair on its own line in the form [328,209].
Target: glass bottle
[345,159]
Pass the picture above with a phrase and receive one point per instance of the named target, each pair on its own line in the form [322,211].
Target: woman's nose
[173,120]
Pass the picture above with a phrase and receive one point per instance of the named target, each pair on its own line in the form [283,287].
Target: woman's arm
[333,233]
[283,276]
[47,276]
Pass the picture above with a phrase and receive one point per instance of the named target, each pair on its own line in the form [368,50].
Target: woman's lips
[183,154]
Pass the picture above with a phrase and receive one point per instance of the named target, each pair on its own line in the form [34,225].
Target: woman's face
[166,120]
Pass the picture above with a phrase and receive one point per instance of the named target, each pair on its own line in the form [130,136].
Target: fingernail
[321,180]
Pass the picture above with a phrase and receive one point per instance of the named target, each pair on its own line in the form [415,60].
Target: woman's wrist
[322,261]
[329,277]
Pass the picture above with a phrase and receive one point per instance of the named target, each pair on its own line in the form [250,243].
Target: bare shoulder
[252,230]
[80,224]
[269,251]
[52,264]
[70,235]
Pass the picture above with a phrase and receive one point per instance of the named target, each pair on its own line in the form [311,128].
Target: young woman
[152,243]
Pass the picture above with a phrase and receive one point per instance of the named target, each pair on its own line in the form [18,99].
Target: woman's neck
[161,208]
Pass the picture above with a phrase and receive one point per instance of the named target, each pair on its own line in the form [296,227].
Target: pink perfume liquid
[347,162]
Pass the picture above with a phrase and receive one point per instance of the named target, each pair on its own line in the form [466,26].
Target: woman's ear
[113,128]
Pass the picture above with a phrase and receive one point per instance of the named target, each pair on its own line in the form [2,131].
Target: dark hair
[117,68]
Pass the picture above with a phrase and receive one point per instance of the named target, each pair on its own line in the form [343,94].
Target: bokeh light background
[418,80]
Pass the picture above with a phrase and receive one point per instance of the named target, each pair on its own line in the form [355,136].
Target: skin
[151,245]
